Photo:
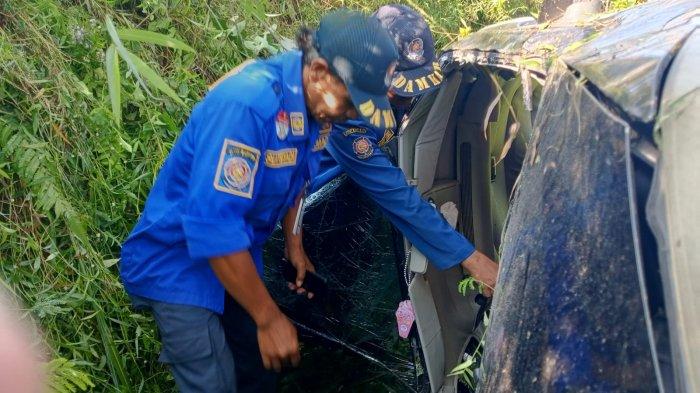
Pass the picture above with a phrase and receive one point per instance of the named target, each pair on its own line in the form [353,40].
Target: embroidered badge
[320,142]
[282,125]
[414,51]
[388,135]
[281,158]
[354,130]
[362,147]
[235,173]
[297,119]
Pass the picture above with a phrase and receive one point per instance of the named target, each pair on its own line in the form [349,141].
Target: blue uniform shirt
[243,157]
[355,146]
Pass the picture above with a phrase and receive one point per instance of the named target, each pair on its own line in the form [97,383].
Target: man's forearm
[238,275]
[292,240]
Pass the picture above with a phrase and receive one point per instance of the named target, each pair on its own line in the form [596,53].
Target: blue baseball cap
[361,52]
[418,71]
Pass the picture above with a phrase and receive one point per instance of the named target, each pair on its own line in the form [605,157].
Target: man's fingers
[293,351]
[276,364]
[301,273]
[266,361]
[488,292]
[296,357]
[298,290]
[487,288]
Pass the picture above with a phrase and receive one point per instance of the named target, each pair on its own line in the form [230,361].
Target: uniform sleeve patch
[321,142]
[362,147]
[297,120]
[354,130]
[281,158]
[238,164]
[388,135]
[282,125]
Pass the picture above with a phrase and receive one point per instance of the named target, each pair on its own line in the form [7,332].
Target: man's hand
[297,256]
[277,339]
[294,248]
[483,269]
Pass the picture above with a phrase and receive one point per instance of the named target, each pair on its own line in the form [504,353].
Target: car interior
[462,146]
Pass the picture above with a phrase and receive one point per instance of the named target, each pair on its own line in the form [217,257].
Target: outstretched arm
[361,158]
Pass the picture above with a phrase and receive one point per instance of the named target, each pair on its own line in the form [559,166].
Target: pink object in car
[405,318]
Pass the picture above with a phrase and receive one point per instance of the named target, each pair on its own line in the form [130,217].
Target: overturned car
[565,150]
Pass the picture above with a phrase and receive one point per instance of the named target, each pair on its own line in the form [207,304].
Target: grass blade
[77,228]
[123,52]
[114,360]
[153,38]
[153,78]
[114,82]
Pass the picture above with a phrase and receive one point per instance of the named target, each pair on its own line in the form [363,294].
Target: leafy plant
[65,377]
[617,5]
[467,369]
[468,284]
[29,160]
[139,68]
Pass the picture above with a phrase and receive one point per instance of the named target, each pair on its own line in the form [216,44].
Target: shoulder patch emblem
[388,135]
[362,147]
[297,123]
[321,142]
[281,158]
[354,130]
[282,125]
[238,164]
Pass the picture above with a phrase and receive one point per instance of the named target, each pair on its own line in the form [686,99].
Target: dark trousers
[193,345]
[242,337]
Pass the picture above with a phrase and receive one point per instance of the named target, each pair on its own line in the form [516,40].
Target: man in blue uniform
[238,168]
[356,148]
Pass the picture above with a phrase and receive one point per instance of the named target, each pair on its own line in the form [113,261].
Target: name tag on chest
[281,158]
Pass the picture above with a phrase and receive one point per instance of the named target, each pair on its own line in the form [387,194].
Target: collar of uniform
[293,95]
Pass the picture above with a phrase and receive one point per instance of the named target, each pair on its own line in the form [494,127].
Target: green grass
[73,178]
[617,5]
